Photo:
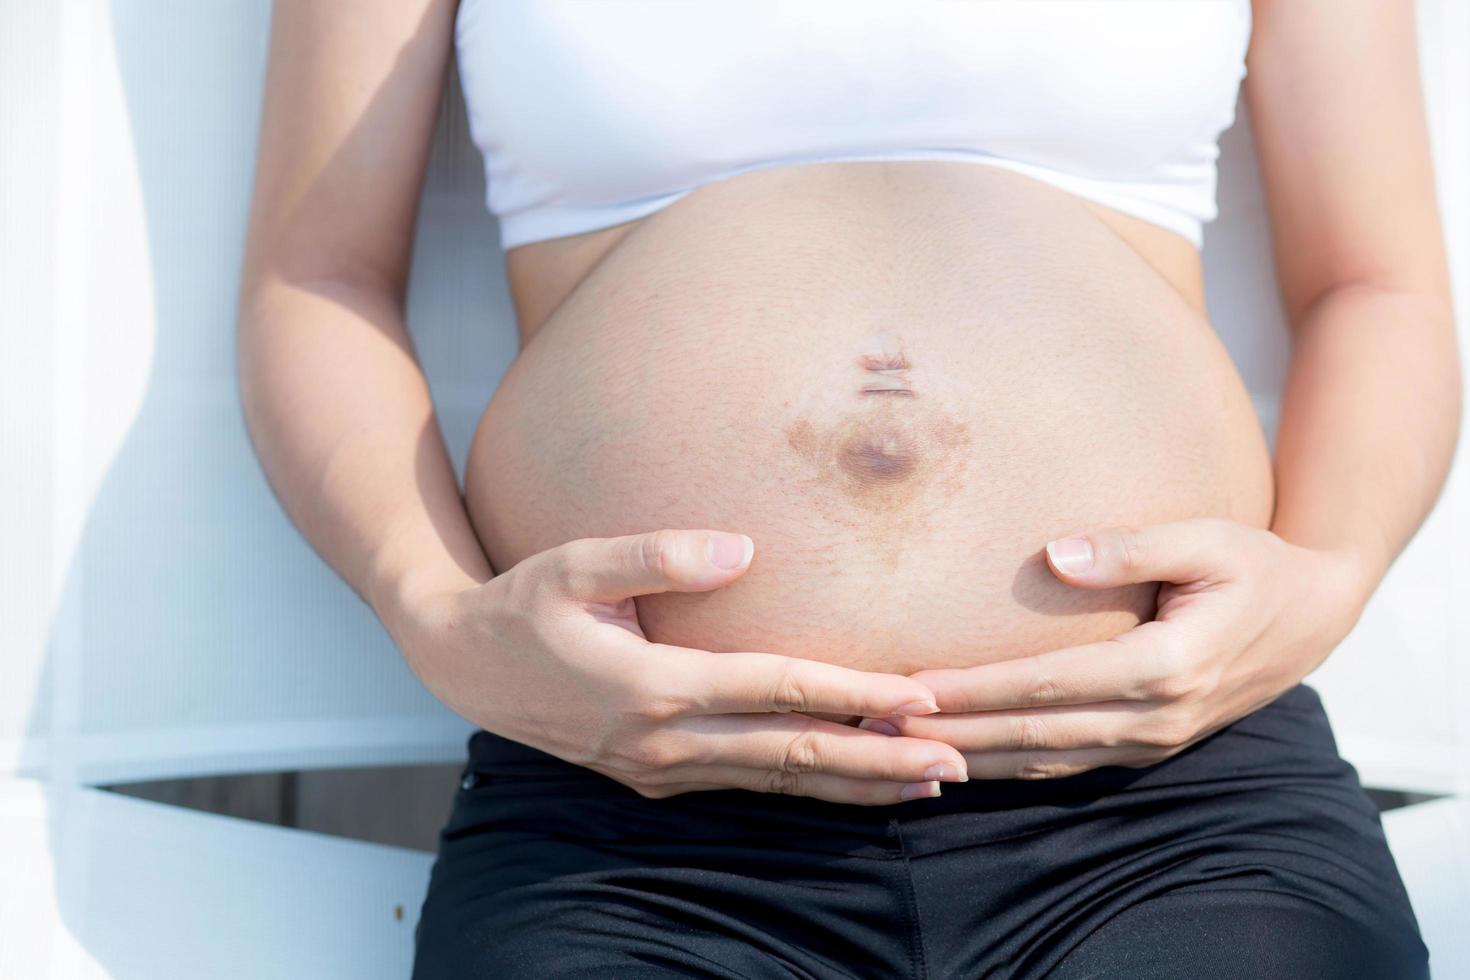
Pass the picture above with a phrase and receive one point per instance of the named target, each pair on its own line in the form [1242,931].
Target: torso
[901,379]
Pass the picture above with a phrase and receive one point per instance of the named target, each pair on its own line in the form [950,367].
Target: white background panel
[99,885]
[1431,846]
[29,46]
[189,627]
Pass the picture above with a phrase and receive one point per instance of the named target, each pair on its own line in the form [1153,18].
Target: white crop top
[591,113]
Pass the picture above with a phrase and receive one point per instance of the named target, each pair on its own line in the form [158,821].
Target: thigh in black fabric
[1262,825]
[1288,873]
[1242,934]
[548,874]
[576,930]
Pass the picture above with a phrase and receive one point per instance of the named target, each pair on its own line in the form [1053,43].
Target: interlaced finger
[822,786]
[1109,724]
[722,683]
[1055,764]
[796,743]
[1130,667]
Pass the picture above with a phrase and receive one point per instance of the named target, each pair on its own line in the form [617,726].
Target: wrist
[1354,568]
[402,598]
[1349,579]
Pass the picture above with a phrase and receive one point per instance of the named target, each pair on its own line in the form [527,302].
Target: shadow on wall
[197,632]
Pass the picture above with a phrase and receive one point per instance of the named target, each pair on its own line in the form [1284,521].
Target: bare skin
[342,420]
[732,363]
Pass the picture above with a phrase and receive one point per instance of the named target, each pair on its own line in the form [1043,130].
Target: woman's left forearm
[1369,421]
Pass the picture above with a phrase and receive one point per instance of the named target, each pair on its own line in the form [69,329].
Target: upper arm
[351,99]
[1337,112]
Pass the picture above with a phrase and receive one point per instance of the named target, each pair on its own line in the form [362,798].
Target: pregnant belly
[901,380]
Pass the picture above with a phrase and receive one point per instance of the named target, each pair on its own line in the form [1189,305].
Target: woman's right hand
[550,654]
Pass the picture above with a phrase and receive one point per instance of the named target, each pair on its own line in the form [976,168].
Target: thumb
[613,569]
[1190,550]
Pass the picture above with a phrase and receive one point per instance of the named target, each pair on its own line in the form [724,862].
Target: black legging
[1253,854]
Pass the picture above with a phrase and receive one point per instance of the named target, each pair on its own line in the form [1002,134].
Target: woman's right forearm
[341,418]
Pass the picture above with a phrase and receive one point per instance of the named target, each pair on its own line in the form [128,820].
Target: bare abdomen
[901,382]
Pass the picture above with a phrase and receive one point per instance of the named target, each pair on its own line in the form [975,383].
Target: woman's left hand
[1243,615]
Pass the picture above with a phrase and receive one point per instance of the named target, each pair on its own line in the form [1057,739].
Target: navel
[890,448]
[878,454]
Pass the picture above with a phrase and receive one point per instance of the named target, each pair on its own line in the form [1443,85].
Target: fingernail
[924,707]
[875,725]
[917,791]
[946,771]
[1071,555]
[729,550]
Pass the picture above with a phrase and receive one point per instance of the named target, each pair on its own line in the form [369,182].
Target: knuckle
[652,755]
[800,753]
[656,551]
[787,693]
[662,710]
[779,781]
[1044,690]
[565,571]
[1170,685]
[658,704]
[1131,549]
[1028,733]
